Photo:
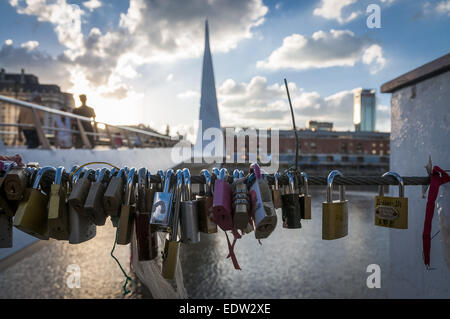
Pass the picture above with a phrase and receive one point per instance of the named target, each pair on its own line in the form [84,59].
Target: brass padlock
[147,241]
[15,183]
[31,216]
[276,192]
[172,244]
[241,201]
[94,200]
[113,197]
[80,191]
[82,227]
[205,199]
[392,212]
[334,213]
[305,198]
[188,213]
[58,214]
[127,210]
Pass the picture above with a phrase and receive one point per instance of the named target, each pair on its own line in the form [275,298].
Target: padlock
[82,227]
[58,215]
[188,213]
[241,203]
[305,198]
[291,210]
[205,203]
[127,211]
[249,227]
[7,207]
[172,244]
[31,216]
[392,212]
[6,231]
[16,182]
[277,203]
[93,205]
[113,197]
[161,218]
[264,213]
[334,213]
[221,210]
[80,191]
[145,238]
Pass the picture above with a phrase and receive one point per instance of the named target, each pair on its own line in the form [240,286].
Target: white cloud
[8,42]
[443,7]
[373,56]
[263,105]
[188,95]
[92,4]
[332,10]
[322,50]
[169,77]
[30,45]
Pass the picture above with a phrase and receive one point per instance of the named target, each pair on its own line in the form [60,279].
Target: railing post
[40,132]
[84,138]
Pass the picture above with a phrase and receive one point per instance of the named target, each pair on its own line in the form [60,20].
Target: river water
[288,264]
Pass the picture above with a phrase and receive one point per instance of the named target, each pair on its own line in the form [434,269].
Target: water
[293,263]
[289,264]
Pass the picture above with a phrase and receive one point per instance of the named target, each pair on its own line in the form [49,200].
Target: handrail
[47,109]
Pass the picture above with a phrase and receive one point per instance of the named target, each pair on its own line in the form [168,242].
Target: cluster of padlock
[49,202]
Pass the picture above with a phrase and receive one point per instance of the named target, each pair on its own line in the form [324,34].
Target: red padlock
[221,210]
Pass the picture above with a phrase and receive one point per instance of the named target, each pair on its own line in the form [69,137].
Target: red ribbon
[438,177]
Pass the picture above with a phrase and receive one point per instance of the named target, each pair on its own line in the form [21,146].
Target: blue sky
[140,61]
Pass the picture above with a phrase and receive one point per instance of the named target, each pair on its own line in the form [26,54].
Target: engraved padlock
[189,213]
[93,205]
[264,213]
[31,216]
[241,202]
[334,213]
[305,198]
[392,212]
[58,214]
[277,203]
[82,227]
[113,197]
[147,241]
[80,191]
[127,211]
[205,203]
[221,211]
[161,218]
[171,243]
[16,182]
[291,210]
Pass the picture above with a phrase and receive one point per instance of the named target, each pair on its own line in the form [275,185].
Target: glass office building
[364,110]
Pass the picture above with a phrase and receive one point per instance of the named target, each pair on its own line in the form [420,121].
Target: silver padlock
[82,227]
[189,213]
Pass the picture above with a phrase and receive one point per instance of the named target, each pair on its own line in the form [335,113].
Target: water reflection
[293,263]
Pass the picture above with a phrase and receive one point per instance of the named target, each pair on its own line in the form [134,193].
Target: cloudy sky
[139,61]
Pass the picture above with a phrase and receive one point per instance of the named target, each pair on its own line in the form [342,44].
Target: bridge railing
[144,138]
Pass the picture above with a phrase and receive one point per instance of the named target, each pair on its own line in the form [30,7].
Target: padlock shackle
[176,214]
[401,183]
[223,174]
[291,182]
[216,172]
[101,174]
[305,182]
[235,174]
[241,174]
[59,174]
[122,172]
[129,187]
[330,180]
[205,173]
[142,178]
[160,173]
[167,180]
[42,171]
[275,178]
[255,168]
[187,184]
[149,178]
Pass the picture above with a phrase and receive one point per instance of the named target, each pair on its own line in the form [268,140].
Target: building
[364,110]
[21,86]
[320,126]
